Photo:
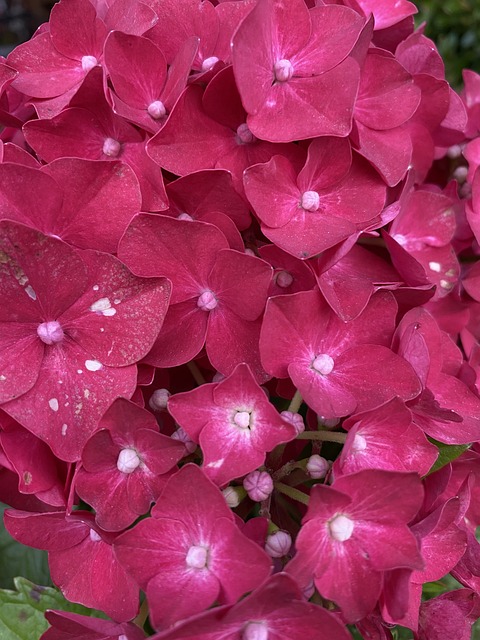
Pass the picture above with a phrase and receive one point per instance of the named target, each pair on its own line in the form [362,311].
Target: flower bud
[295,419]
[278,544]
[258,485]
[182,436]
[159,399]
[233,496]
[317,467]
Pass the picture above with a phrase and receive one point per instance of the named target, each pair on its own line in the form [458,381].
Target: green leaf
[18,560]
[446,453]
[21,611]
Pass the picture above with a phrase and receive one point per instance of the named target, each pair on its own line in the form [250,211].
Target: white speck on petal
[95,287]
[117,301]
[446,285]
[435,266]
[3,378]
[103,306]
[93,365]
[86,393]
[64,429]
[216,463]
[79,371]
[29,290]
[53,404]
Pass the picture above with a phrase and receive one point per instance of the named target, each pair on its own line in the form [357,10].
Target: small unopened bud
[111,147]
[182,437]
[255,631]
[455,151]
[328,423]
[50,332]
[258,485]
[244,135]
[278,544]
[156,110]
[197,557]
[233,496]
[460,174]
[284,279]
[341,527]
[309,590]
[283,70]
[209,63]
[159,399]
[295,419]
[317,467]
[218,377]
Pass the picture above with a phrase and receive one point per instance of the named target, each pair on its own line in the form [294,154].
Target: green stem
[325,436]
[295,494]
[296,402]
[142,615]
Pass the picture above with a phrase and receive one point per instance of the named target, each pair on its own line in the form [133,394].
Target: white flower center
[323,364]
[111,147]
[128,460]
[310,201]
[88,62]
[156,110]
[50,332]
[283,70]
[197,557]
[242,419]
[207,301]
[341,527]
[255,631]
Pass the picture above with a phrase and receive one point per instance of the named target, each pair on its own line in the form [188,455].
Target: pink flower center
[156,110]
[340,527]
[159,399]
[184,216]
[255,631]
[242,419]
[284,279]
[111,147]
[244,135]
[209,63]
[359,444]
[128,460]
[50,332]
[197,557]
[283,70]
[94,536]
[207,301]
[310,201]
[88,62]
[323,364]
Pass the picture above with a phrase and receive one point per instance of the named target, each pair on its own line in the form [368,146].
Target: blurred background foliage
[454,25]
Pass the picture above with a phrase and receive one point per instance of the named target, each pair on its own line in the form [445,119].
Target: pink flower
[355,531]
[73,325]
[190,553]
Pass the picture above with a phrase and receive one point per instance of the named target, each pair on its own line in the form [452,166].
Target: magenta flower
[234,423]
[190,553]
[286,59]
[218,294]
[385,438]
[324,204]
[338,367]
[143,92]
[275,610]
[355,531]
[453,612]
[124,465]
[73,324]
[81,559]
[57,201]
